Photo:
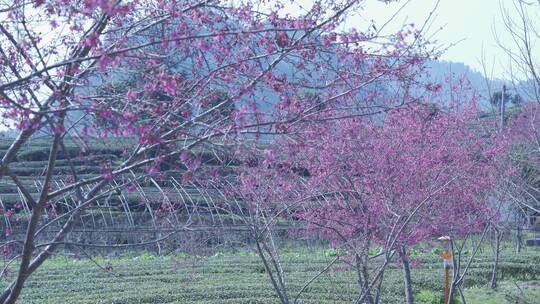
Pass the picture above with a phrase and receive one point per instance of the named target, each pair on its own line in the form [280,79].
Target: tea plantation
[240,278]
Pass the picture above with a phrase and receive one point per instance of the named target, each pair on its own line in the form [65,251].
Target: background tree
[496,98]
[519,39]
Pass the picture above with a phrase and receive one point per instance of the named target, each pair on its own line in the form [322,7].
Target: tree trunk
[493,284]
[409,297]
[361,276]
[519,234]
[462,296]
[277,287]
[272,264]
[378,289]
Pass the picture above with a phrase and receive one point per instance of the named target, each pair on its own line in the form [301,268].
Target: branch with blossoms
[172,77]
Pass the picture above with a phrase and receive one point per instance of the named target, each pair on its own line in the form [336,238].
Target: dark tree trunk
[497,235]
[409,296]
[363,280]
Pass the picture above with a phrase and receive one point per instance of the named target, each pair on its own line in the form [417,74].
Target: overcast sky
[469,23]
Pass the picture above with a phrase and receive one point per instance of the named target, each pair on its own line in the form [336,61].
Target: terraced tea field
[114,217]
[240,278]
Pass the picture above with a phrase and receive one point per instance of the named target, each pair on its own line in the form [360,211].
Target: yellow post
[447,263]
[446,285]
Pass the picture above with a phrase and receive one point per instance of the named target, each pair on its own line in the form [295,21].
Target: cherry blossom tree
[173,75]
[390,181]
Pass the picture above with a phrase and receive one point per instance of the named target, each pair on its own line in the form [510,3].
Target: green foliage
[415,252]
[181,255]
[241,278]
[428,297]
[146,256]
[330,252]
[374,251]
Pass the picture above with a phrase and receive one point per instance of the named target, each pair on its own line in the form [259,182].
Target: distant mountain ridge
[439,71]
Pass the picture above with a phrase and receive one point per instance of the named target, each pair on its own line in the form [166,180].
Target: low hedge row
[234,279]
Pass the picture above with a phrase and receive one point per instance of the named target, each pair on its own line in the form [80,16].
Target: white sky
[469,23]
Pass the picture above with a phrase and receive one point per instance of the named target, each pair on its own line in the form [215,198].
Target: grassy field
[240,278]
